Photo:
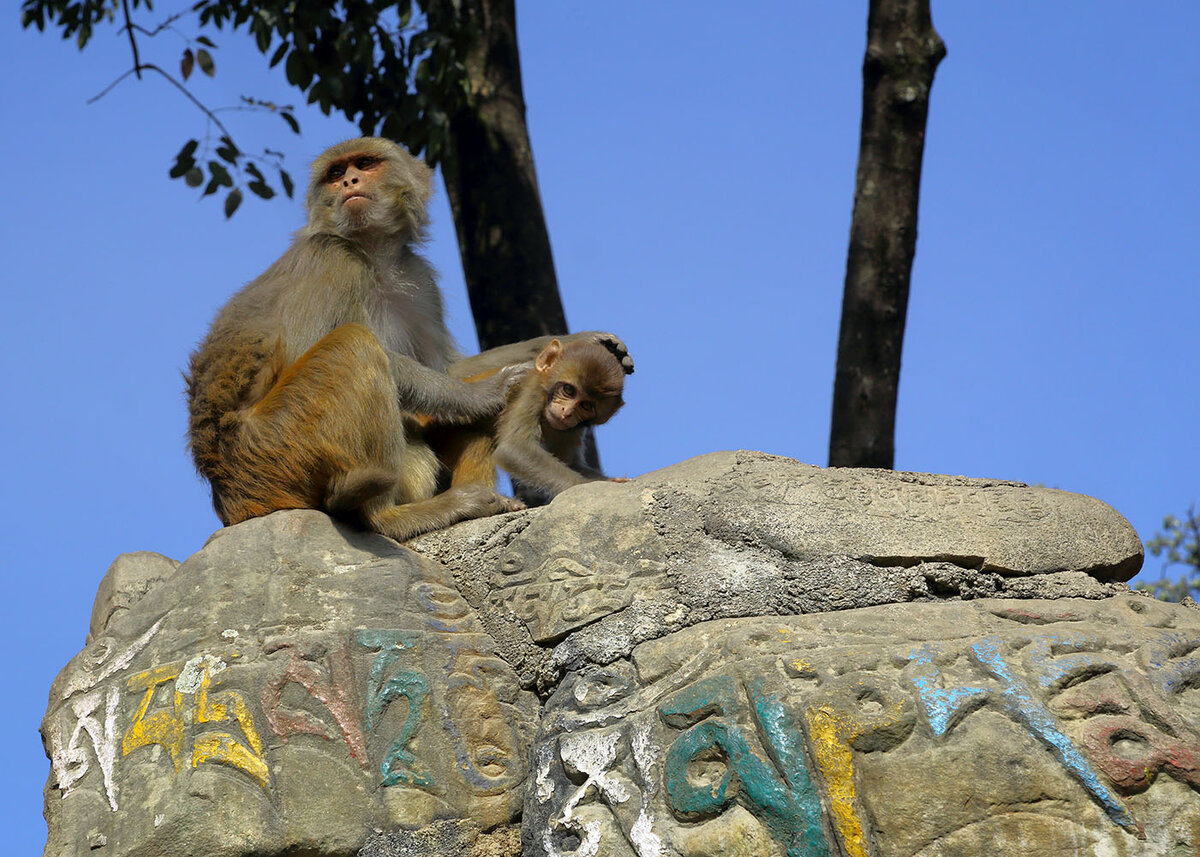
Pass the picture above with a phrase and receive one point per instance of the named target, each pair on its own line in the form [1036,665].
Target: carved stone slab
[292,686]
[984,728]
[740,655]
[607,565]
[893,518]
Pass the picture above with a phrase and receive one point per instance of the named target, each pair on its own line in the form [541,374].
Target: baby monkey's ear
[549,355]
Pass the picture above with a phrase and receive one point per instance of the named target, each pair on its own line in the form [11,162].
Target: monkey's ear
[424,180]
[549,354]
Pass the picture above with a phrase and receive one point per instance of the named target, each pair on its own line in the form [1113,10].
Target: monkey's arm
[495,359]
[525,459]
[445,399]
[579,465]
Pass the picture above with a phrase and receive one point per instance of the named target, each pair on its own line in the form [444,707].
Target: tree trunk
[493,190]
[492,185]
[903,51]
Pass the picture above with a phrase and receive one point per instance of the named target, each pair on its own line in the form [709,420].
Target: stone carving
[130,577]
[293,685]
[931,729]
[747,534]
[739,655]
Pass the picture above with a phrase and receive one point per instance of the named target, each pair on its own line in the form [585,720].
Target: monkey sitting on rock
[301,396]
[538,437]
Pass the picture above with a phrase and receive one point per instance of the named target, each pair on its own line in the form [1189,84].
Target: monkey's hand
[614,344]
[445,399]
[495,388]
[495,359]
[514,375]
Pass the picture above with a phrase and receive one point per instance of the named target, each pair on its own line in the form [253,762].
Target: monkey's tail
[348,494]
[220,381]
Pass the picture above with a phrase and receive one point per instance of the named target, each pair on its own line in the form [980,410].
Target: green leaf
[189,149]
[433,149]
[220,174]
[393,128]
[262,35]
[280,53]
[205,61]
[232,202]
[187,63]
[288,185]
[261,189]
[253,170]
[298,70]
[228,153]
[33,15]
[206,41]
[420,42]
[291,120]
[194,177]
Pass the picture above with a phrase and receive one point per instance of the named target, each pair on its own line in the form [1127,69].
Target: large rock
[294,685]
[129,578]
[738,655]
[746,534]
[988,727]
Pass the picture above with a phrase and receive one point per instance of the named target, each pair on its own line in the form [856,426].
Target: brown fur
[298,395]
[522,439]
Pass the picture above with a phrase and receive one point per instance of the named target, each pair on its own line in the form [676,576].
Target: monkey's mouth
[559,424]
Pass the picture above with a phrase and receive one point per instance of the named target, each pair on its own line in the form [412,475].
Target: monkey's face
[353,182]
[368,187]
[568,407]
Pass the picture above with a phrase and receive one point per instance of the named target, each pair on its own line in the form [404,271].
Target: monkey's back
[321,283]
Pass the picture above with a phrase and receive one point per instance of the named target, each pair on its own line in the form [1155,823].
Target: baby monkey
[538,437]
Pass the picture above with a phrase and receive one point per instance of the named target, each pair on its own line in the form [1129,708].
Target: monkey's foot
[480,501]
[614,344]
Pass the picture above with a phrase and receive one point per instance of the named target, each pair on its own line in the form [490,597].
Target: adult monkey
[301,394]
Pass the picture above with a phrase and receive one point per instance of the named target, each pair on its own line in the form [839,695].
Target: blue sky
[697,172]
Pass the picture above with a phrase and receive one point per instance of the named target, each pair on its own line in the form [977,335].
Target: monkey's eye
[366,162]
[335,173]
[568,390]
[587,407]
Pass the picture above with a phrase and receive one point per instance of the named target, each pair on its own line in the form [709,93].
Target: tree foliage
[443,78]
[388,66]
[1179,544]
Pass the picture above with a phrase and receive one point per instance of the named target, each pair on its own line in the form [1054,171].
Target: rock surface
[130,577]
[738,655]
[294,685]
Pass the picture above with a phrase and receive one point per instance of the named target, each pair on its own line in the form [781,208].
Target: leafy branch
[193,164]
[393,67]
[1179,544]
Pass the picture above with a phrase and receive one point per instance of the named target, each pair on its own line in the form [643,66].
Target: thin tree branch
[165,25]
[212,117]
[137,63]
[111,86]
